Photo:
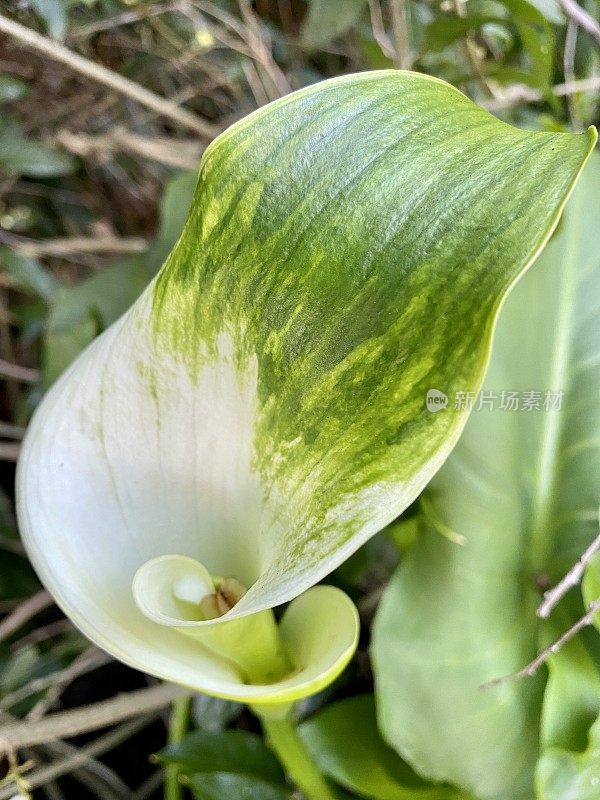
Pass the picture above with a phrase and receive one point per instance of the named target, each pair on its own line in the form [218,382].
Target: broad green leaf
[224,751]
[325,21]
[344,742]
[225,786]
[261,408]
[174,209]
[521,490]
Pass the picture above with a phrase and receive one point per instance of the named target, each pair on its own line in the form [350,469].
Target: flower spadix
[260,412]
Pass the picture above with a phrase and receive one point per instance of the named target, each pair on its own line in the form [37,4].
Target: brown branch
[173,152]
[78,244]
[379,32]
[569,69]
[254,82]
[399,13]
[16,372]
[64,724]
[10,431]
[533,666]
[519,93]
[581,17]
[9,451]
[11,546]
[107,77]
[87,662]
[126,18]
[89,774]
[571,579]
[79,758]
[260,47]
[24,612]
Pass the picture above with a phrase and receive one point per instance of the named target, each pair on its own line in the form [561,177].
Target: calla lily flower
[260,412]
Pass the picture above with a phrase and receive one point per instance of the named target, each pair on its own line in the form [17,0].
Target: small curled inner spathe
[179,592]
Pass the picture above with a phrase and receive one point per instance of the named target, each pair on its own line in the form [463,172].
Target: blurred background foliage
[95,183]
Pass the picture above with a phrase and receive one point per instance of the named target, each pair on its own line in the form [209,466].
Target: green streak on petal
[355,241]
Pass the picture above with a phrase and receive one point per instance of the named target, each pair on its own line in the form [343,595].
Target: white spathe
[128,459]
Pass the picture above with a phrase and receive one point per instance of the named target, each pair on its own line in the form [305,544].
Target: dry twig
[81,757]
[10,431]
[399,13]
[172,152]
[379,32]
[9,451]
[17,373]
[64,724]
[519,93]
[73,245]
[24,612]
[260,47]
[57,681]
[569,68]
[107,77]
[581,18]
[533,666]
[571,579]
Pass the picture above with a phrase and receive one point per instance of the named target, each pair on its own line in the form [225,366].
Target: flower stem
[283,738]
[178,726]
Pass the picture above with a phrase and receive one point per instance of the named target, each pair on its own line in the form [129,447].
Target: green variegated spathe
[261,408]
[374,280]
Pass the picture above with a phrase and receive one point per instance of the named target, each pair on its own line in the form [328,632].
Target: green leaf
[19,669]
[534,30]
[33,159]
[537,38]
[565,775]
[570,765]
[212,713]
[224,751]
[521,490]
[344,742]
[63,344]
[12,88]
[572,695]
[326,21]
[262,406]
[29,274]
[551,9]
[54,14]
[174,209]
[448,28]
[225,786]
[78,313]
